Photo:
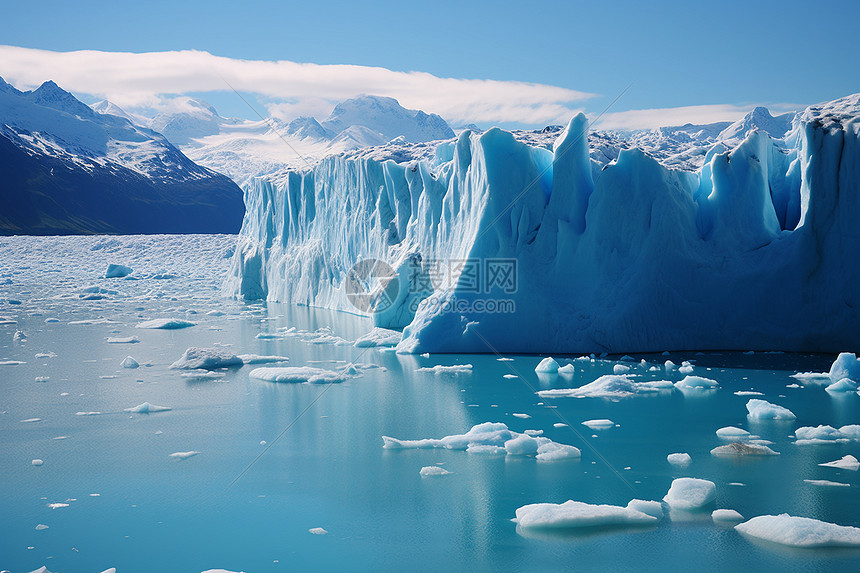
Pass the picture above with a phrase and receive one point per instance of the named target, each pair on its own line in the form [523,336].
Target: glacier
[756,248]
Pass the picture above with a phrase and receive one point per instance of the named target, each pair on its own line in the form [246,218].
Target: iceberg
[574,514]
[690,493]
[553,251]
[800,531]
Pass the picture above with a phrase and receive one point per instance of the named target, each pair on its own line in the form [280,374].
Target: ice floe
[764,410]
[847,462]
[602,424]
[317,531]
[690,493]
[298,375]
[427,471]
[800,531]
[609,386]
[697,383]
[379,337]
[726,516]
[679,459]
[146,408]
[123,340]
[491,437]
[741,449]
[165,324]
[577,514]
[453,369]
[261,359]
[826,483]
[129,362]
[547,366]
[183,455]
[732,433]
[196,358]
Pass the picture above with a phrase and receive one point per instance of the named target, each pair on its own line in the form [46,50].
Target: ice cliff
[758,249]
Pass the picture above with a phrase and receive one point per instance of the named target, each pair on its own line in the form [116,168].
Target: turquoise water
[244,506]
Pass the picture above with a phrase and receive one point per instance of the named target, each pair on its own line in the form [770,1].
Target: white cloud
[142,80]
[695,114]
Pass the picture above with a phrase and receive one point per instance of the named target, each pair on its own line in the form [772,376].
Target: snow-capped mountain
[242,149]
[66,169]
[385,116]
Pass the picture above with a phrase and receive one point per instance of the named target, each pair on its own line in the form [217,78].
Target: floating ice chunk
[41,527]
[87,413]
[547,366]
[51,320]
[58,505]
[732,433]
[183,455]
[549,451]
[19,336]
[764,410]
[117,271]
[379,337]
[42,378]
[533,433]
[567,370]
[843,385]
[609,386]
[602,424]
[454,369]
[620,369]
[123,340]
[669,365]
[848,462]
[216,313]
[298,375]
[652,508]
[433,471]
[559,425]
[813,435]
[686,368]
[195,358]
[492,437]
[826,483]
[261,359]
[502,359]
[697,382]
[846,365]
[682,459]
[726,515]
[510,376]
[130,362]
[813,377]
[146,408]
[7,321]
[31,420]
[203,374]
[11,362]
[46,355]
[165,324]
[317,531]
[738,449]
[37,462]
[518,415]
[221,571]
[576,514]
[800,531]
[851,431]
[690,493]
[748,393]
[522,445]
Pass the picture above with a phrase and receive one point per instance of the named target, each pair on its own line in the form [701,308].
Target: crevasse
[757,250]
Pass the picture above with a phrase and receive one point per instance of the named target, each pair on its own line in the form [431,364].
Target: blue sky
[676,54]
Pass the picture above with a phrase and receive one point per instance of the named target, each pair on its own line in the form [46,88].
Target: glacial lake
[278,460]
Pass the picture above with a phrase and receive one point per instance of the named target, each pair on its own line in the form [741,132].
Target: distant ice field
[189,462]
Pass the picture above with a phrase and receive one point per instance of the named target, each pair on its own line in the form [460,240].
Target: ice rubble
[800,531]
[492,437]
[610,386]
[603,256]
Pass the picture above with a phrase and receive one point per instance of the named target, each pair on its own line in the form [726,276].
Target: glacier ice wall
[757,250]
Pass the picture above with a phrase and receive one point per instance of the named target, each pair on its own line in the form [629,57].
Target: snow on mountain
[758,119]
[109,108]
[384,115]
[67,169]
[751,250]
